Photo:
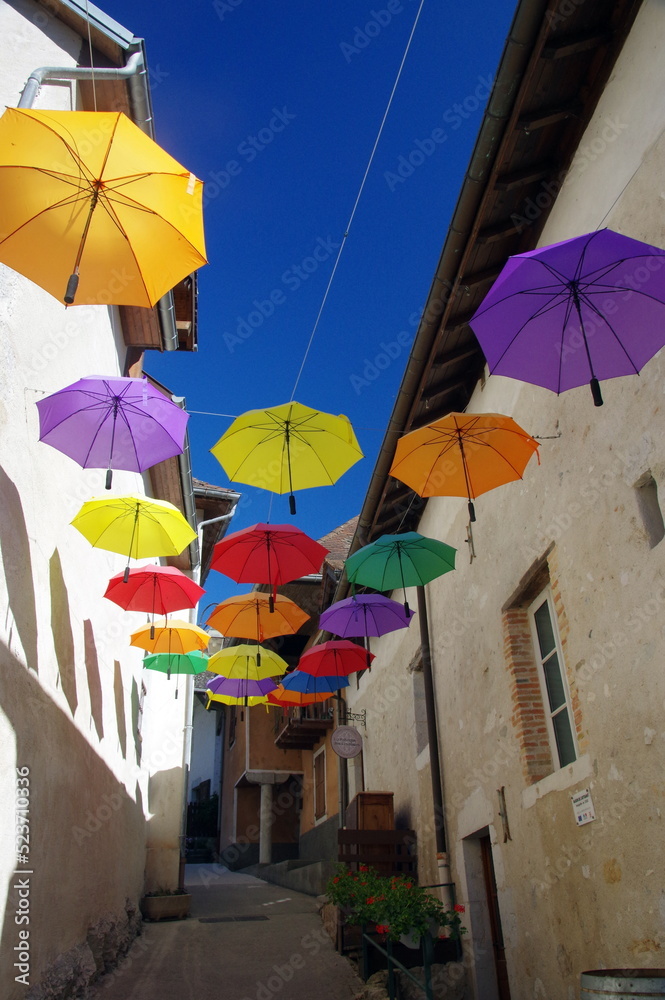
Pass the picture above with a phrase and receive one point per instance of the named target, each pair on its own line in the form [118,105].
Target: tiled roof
[338,541]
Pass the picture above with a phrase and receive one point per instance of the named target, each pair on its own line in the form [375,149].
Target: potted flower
[165,904]
[395,905]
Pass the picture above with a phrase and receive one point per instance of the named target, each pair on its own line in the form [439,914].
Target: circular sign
[346,741]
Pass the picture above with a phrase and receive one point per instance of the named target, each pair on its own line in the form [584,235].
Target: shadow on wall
[61,629]
[17,565]
[87,840]
[94,680]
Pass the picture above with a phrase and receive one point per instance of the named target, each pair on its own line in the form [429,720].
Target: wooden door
[495,919]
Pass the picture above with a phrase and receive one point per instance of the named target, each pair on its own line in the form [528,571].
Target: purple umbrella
[113,423]
[366,615]
[586,309]
[241,688]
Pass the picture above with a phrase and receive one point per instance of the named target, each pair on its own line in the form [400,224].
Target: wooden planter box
[174,907]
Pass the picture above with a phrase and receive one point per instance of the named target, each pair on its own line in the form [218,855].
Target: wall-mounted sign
[583,807]
[346,741]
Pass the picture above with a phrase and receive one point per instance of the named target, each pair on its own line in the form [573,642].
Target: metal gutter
[517,51]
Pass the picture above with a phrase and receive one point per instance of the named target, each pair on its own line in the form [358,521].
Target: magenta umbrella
[576,312]
[113,423]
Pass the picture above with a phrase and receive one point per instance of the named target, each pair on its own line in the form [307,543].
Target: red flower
[458,908]
[335,880]
[382,928]
[369,900]
[364,868]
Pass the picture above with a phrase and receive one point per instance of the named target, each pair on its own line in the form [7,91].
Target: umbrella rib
[536,315]
[597,312]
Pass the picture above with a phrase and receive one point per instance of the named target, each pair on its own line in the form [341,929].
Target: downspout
[135,73]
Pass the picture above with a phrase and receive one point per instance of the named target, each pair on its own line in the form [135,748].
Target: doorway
[498,947]
[489,969]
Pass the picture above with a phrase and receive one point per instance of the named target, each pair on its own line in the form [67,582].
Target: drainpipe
[135,73]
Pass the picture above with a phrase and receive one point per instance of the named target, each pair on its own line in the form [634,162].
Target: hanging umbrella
[304,683]
[238,691]
[587,309]
[335,658]
[158,590]
[113,423]
[136,526]
[463,455]
[286,448]
[268,553]
[288,699]
[194,662]
[241,662]
[89,204]
[249,616]
[170,636]
[363,615]
[406,560]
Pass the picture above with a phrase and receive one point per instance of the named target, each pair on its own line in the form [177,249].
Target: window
[233,719]
[649,507]
[549,660]
[320,784]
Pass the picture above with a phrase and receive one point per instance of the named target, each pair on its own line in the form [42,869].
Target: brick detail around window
[528,716]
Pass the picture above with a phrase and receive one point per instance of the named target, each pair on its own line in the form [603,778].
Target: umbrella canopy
[364,614]
[335,658]
[172,636]
[243,662]
[136,526]
[286,448]
[194,662]
[248,616]
[285,698]
[91,208]
[238,691]
[406,560]
[268,553]
[297,680]
[587,309]
[463,455]
[113,423]
[157,590]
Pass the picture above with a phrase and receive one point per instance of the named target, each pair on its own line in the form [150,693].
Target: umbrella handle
[126,575]
[292,504]
[109,479]
[72,285]
[595,392]
[472,512]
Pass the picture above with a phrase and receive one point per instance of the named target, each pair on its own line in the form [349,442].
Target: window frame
[546,597]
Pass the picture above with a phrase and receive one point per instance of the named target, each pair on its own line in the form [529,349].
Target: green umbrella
[406,560]
[177,663]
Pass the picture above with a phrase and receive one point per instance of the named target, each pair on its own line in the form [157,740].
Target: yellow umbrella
[170,636]
[245,663]
[138,526]
[87,197]
[286,448]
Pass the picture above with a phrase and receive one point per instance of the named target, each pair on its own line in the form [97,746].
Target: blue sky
[276,107]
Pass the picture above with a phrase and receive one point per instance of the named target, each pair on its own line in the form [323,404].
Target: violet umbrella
[113,423]
[365,615]
[240,691]
[576,312]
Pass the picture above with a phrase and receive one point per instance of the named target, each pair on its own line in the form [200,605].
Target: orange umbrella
[463,455]
[281,696]
[174,636]
[249,616]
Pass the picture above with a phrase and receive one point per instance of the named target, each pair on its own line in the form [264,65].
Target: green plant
[395,904]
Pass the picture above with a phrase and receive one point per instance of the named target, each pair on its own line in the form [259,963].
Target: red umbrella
[335,658]
[268,553]
[154,589]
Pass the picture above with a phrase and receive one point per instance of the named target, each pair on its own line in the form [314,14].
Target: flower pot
[411,939]
[172,907]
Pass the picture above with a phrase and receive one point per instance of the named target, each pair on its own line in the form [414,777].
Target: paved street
[270,943]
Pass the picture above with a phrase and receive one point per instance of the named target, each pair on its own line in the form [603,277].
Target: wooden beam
[579,43]
[541,118]
[529,175]
[480,277]
[494,234]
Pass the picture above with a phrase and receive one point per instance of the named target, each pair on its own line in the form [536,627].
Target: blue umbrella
[308,684]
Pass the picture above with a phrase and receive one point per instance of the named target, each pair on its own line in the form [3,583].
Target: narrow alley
[245,940]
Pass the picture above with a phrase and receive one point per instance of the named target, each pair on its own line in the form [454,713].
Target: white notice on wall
[583,807]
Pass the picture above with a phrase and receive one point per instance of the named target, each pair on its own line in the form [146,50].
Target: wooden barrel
[622,984]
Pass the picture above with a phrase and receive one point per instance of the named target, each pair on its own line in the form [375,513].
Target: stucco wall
[571,897]
[70,684]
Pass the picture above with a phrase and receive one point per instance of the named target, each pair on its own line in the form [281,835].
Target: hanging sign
[346,741]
